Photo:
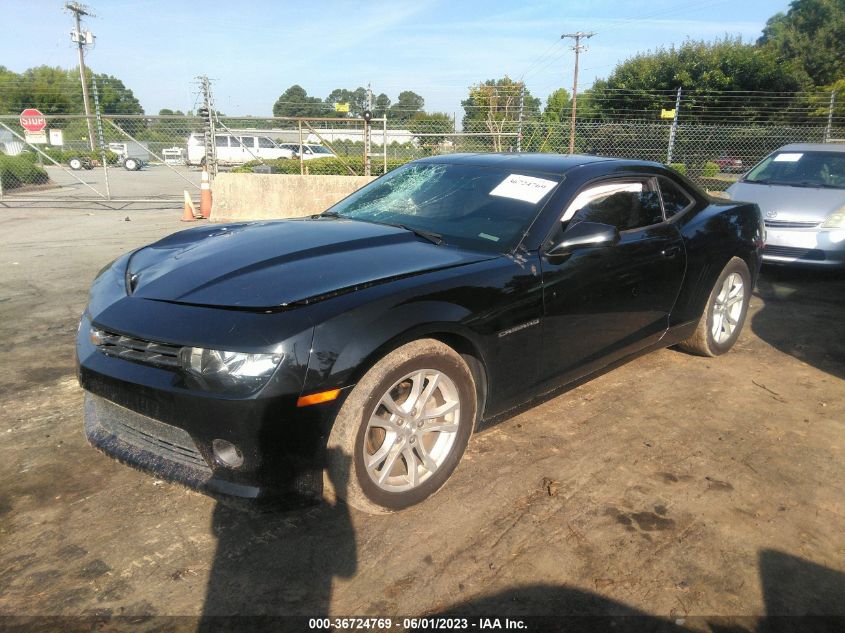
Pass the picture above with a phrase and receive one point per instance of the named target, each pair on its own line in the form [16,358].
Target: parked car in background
[800,189]
[729,164]
[354,353]
[309,151]
[236,149]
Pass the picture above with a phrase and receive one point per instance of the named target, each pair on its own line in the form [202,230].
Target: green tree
[494,106]
[115,97]
[56,90]
[357,100]
[558,106]
[438,124]
[381,105]
[10,92]
[406,106]
[708,71]
[295,102]
[810,37]
[52,90]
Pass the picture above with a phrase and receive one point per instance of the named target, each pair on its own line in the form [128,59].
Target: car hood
[790,203]
[266,265]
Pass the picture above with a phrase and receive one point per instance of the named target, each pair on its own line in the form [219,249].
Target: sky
[253,50]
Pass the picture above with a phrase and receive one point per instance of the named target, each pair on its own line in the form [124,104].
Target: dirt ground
[693,490]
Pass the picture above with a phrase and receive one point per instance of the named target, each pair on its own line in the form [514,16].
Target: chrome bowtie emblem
[771,215]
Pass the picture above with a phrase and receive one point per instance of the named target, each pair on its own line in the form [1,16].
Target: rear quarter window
[675,199]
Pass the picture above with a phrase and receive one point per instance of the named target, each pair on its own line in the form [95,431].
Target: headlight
[835,220]
[232,371]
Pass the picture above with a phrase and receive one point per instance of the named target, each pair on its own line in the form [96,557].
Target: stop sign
[32,120]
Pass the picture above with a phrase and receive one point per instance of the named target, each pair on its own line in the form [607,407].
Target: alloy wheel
[727,309]
[412,430]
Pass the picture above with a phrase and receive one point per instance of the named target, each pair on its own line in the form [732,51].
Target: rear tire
[402,430]
[725,312]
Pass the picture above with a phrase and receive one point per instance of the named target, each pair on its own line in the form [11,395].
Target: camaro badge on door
[519,327]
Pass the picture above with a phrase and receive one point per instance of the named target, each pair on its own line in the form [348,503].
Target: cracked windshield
[467,206]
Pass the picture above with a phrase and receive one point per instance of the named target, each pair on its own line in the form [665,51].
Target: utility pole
[82,38]
[578,47]
[519,127]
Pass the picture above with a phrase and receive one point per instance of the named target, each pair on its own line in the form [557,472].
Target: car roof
[812,147]
[548,163]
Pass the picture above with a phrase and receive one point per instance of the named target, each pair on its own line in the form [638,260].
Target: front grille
[813,254]
[790,224]
[161,439]
[136,350]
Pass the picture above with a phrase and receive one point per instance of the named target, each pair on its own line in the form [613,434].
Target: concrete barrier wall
[270,196]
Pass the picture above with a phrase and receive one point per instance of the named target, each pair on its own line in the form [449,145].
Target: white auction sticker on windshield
[525,188]
[788,157]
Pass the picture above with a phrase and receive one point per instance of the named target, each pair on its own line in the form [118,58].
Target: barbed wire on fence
[712,154]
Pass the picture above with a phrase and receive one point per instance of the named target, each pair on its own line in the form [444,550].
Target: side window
[675,199]
[630,204]
[265,143]
[221,140]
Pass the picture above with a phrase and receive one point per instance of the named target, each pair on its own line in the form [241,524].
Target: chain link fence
[157,158]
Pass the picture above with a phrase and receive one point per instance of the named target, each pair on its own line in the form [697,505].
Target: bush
[709,170]
[16,171]
[678,167]
[322,166]
[62,156]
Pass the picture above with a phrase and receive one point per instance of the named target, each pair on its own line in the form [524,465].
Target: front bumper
[147,444]
[805,247]
[146,416]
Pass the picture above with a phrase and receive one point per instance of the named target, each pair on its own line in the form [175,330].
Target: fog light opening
[227,453]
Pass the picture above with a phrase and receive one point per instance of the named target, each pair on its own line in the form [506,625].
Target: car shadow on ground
[276,562]
[281,563]
[799,596]
[803,315]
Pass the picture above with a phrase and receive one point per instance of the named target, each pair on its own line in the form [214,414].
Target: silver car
[800,190]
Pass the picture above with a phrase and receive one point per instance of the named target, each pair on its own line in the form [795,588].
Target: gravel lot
[711,490]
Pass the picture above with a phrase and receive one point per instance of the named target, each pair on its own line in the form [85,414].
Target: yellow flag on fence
[341,107]
[667,114]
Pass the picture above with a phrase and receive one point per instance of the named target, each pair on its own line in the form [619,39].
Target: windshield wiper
[434,238]
[817,185]
[770,181]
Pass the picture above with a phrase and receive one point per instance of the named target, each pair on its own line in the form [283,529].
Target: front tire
[403,429]
[75,164]
[130,164]
[725,312]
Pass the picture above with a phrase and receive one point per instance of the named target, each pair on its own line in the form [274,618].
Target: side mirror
[585,235]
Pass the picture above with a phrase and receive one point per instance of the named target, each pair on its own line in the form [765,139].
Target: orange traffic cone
[205,195]
[190,212]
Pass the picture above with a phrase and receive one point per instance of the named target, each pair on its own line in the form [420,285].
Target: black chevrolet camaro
[352,354]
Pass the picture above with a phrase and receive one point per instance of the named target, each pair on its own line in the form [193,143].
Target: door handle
[671,251]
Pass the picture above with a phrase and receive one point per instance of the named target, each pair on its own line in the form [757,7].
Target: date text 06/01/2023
[416,624]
